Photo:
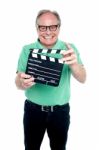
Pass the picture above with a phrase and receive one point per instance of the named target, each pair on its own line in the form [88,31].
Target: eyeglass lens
[51,28]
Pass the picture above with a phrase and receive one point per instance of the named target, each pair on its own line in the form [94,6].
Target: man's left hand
[69,56]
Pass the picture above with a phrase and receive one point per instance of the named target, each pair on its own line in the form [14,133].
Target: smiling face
[48,29]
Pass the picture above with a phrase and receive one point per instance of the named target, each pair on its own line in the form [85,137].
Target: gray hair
[44,11]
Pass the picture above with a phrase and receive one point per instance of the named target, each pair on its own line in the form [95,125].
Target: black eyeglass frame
[48,27]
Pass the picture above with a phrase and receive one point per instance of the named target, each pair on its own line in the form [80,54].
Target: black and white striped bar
[44,68]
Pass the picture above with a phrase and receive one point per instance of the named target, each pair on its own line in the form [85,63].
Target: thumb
[23,75]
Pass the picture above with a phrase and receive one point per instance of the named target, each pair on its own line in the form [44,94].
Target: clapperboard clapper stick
[45,67]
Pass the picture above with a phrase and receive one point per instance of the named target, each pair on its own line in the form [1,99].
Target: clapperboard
[45,68]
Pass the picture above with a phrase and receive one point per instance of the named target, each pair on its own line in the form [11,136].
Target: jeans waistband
[47,108]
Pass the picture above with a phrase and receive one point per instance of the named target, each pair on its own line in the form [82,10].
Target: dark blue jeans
[36,121]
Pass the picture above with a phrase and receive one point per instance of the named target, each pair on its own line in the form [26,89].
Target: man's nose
[48,30]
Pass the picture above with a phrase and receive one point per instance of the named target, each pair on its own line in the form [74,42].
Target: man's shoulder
[28,46]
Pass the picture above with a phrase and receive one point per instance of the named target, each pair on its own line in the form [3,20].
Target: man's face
[48,29]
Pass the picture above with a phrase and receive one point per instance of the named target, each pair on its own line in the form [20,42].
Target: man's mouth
[47,37]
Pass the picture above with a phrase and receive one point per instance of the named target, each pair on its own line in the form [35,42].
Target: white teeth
[48,37]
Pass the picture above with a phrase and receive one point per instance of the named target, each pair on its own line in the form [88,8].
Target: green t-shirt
[46,94]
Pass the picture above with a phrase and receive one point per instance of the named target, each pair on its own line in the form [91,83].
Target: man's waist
[47,108]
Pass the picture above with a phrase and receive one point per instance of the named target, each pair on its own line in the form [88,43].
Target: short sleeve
[22,61]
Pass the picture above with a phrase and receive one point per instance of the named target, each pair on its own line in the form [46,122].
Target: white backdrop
[80,25]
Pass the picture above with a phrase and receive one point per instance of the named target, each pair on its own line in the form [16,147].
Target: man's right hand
[24,81]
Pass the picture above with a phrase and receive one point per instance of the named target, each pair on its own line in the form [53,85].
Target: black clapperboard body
[43,67]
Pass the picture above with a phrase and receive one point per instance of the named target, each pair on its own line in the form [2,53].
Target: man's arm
[78,70]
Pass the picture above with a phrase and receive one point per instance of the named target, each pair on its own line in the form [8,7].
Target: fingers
[27,85]
[26,80]
[68,52]
[68,46]
[69,56]
[25,76]
[71,62]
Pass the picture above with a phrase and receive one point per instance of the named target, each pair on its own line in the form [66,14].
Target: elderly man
[47,107]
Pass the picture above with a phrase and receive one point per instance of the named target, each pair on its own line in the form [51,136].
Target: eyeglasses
[51,28]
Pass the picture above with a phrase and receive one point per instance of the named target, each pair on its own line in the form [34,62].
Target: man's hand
[24,81]
[69,56]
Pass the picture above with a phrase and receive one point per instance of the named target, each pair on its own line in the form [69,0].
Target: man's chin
[48,43]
